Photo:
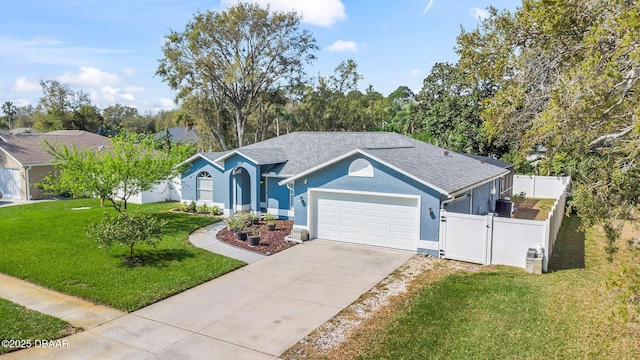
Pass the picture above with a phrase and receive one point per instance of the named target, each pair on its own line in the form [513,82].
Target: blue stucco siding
[385,180]
[277,195]
[247,192]
[189,182]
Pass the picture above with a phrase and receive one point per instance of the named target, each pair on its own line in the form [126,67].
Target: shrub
[184,207]
[192,206]
[202,209]
[215,210]
[127,230]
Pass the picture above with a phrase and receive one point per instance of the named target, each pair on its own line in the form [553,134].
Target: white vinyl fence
[488,239]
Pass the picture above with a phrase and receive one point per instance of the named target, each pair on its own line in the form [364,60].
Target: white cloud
[315,12]
[129,71]
[24,85]
[107,95]
[342,46]
[479,14]
[428,7]
[89,76]
[416,72]
[134,89]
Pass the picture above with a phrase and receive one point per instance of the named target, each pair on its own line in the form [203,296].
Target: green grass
[45,243]
[20,323]
[505,313]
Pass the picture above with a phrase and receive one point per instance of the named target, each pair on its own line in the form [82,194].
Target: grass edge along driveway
[45,243]
[504,313]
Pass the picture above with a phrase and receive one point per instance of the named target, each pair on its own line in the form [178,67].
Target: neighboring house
[179,134]
[379,188]
[24,160]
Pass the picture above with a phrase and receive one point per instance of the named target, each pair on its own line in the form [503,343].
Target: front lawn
[26,326]
[45,243]
[505,313]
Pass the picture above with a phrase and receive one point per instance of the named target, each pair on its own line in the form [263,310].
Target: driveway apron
[256,312]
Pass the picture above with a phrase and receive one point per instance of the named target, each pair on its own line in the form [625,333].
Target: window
[361,168]
[204,186]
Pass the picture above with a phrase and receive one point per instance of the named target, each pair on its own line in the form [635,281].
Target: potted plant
[238,223]
[254,239]
[271,222]
[253,217]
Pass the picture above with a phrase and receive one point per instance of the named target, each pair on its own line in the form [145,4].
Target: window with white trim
[204,187]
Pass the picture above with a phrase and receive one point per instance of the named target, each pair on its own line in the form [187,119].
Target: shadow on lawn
[568,251]
[159,258]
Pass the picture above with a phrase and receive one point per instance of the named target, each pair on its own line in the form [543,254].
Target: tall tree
[114,115]
[448,109]
[232,58]
[568,73]
[326,107]
[66,109]
[9,110]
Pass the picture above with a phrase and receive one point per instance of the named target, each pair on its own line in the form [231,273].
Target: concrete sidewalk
[255,312]
[205,238]
[76,311]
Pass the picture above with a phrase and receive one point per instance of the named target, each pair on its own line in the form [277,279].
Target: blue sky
[110,49]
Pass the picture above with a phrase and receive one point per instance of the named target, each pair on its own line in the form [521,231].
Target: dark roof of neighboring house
[180,134]
[30,149]
[301,152]
[490,160]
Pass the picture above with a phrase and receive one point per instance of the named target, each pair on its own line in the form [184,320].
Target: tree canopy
[225,62]
[567,74]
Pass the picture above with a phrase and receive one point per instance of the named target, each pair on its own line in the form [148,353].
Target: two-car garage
[379,219]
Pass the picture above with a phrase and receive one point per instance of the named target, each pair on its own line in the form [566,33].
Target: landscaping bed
[532,209]
[270,241]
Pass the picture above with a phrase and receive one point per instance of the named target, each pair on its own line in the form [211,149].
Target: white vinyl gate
[10,183]
[464,237]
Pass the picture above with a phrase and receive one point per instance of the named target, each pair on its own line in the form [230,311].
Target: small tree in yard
[132,164]
[128,230]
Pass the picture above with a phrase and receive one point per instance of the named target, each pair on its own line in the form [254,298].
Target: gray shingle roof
[179,134]
[298,152]
[30,149]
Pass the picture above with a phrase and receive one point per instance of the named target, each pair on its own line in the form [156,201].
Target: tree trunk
[240,126]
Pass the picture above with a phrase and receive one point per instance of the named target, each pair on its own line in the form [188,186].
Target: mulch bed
[270,241]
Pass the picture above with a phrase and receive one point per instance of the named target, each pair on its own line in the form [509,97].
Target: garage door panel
[368,219]
[374,213]
[350,211]
[406,230]
[375,226]
[344,223]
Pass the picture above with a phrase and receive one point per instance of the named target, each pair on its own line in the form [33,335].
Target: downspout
[26,175]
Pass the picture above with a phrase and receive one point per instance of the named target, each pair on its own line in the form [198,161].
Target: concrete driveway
[256,312]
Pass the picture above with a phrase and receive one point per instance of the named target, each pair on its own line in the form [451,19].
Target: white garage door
[388,221]
[10,183]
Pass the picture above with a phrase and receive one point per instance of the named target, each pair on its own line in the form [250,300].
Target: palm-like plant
[9,110]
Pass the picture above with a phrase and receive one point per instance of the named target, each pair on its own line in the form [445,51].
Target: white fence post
[489,239]
[442,232]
